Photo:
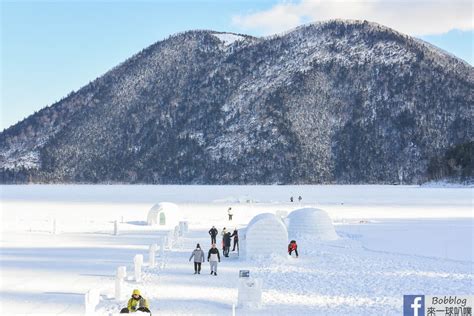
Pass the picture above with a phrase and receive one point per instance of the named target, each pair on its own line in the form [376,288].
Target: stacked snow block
[91,300]
[169,239]
[162,246]
[151,255]
[250,293]
[138,262]
[119,277]
[183,227]
[176,233]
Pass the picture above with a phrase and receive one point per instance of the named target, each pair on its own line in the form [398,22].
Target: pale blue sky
[50,48]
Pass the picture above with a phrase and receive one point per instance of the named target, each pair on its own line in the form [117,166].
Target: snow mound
[311,223]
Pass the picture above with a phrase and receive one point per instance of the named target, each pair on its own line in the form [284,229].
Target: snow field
[394,241]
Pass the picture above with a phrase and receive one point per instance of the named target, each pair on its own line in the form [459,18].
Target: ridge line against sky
[52,48]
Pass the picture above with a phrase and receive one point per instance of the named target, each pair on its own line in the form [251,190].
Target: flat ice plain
[395,240]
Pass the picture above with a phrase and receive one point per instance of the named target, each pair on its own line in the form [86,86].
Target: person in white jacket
[198,255]
[213,257]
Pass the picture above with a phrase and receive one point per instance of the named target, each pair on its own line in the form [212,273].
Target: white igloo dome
[265,235]
[310,223]
[164,214]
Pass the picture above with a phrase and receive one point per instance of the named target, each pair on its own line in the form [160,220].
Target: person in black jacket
[226,244]
[213,257]
[213,232]
[235,234]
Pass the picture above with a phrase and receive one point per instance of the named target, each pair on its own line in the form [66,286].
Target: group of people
[213,257]
[138,303]
[226,239]
[299,199]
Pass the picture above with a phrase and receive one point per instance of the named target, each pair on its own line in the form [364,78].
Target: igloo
[164,214]
[312,223]
[265,235]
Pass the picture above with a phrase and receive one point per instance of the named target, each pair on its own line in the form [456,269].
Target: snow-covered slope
[339,101]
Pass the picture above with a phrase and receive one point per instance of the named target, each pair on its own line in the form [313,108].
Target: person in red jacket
[293,247]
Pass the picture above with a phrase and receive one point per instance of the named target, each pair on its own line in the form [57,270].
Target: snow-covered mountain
[339,101]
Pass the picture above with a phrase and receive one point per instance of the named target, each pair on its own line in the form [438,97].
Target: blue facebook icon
[413,305]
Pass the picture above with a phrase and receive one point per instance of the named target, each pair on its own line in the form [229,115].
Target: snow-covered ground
[395,240]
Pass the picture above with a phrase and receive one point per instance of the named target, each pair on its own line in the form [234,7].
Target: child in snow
[213,257]
[136,303]
[198,255]
[293,246]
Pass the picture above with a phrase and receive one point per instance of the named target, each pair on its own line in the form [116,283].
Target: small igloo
[164,214]
[265,235]
[312,223]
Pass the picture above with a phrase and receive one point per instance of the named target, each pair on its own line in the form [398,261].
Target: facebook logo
[413,305]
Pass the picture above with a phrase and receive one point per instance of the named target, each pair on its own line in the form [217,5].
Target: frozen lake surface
[395,240]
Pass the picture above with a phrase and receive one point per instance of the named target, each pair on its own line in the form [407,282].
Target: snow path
[176,290]
[340,277]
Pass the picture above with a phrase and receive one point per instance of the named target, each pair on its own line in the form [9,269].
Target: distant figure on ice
[213,257]
[136,303]
[291,199]
[235,234]
[299,198]
[229,212]
[198,255]
[227,240]
[213,232]
[293,247]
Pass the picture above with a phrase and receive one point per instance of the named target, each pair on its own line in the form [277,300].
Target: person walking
[229,212]
[227,240]
[293,247]
[213,232]
[213,257]
[136,303]
[198,255]
[291,199]
[299,198]
[235,234]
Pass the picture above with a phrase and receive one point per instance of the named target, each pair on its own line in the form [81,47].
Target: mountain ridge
[279,109]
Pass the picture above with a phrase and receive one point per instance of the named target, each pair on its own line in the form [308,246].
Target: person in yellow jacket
[136,303]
